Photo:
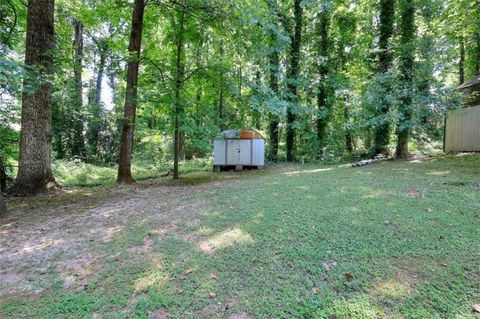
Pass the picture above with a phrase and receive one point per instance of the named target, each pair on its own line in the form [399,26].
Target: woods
[239,159]
[151,83]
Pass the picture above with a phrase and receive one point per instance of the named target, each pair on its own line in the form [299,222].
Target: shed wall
[247,152]
[462,130]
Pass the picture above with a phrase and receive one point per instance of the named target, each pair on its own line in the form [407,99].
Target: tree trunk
[3,176]
[382,129]
[34,170]
[178,105]
[3,207]
[78,147]
[461,64]
[477,51]
[324,107]
[126,142]
[292,84]
[273,125]
[256,114]
[407,61]
[274,66]
[221,106]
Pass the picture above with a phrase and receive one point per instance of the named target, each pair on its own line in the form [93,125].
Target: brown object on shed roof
[473,81]
[251,135]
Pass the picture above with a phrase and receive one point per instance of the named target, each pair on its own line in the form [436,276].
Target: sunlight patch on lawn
[225,239]
[156,277]
[357,308]
[41,246]
[438,173]
[392,289]
[308,171]
[106,234]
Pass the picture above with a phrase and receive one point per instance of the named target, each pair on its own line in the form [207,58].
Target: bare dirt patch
[50,240]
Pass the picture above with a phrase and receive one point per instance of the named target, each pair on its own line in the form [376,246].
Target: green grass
[394,239]
[79,174]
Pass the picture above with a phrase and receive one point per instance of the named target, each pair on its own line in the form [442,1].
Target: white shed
[239,148]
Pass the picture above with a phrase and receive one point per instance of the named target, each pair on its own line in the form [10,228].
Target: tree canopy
[319,79]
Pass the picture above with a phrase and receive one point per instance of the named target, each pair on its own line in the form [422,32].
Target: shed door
[245,152]
[233,152]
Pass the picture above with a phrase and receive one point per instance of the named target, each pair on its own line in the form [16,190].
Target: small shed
[238,149]
[471,91]
[462,130]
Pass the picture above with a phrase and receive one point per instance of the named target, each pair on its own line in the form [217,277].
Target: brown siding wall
[462,131]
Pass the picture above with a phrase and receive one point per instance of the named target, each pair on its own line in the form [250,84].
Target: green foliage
[227,70]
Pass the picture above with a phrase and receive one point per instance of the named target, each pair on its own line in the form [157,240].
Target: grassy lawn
[391,240]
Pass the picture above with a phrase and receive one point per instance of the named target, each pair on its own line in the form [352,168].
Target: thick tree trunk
[34,171]
[3,207]
[273,125]
[178,105]
[256,115]
[461,64]
[221,106]
[382,129]
[477,51]
[407,61]
[324,107]
[126,142]
[292,84]
[78,147]
[3,176]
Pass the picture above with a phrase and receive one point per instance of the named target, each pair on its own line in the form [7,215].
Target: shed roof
[241,134]
[473,81]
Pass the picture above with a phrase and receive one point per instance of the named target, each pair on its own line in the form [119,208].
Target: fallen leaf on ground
[349,276]
[212,294]
[315,290]
[213,275]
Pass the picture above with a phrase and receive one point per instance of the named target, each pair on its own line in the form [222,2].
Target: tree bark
[78,147]
[3,207]
[274,66]
[34,171]
[324,107]
[126,142]
[221,106]
[407,64]
[3,176]
[382,129]
[273,125]
[294,69]
[461,64]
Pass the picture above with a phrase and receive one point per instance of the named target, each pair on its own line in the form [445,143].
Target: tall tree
[129,115]
[323,103]
[461,63]
[179,78]
[407,63]
[78,147]
[386,26]
[274,62]
[34,169]
[292,81]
